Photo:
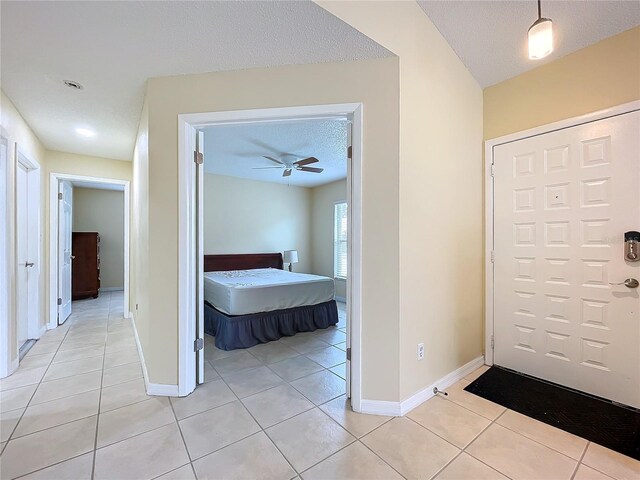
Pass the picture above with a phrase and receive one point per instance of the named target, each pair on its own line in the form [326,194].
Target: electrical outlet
[421,351]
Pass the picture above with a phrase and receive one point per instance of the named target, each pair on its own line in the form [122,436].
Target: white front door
[65,228]
[22,254]
[562,203]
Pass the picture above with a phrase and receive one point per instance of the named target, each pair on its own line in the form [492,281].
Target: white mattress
[240,292]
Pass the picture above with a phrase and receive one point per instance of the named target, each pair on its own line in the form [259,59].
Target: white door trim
[53,237]
[5,262]
[35,239]
[489,195]
[186,227]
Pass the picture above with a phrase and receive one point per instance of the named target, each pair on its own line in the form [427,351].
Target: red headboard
[242,261]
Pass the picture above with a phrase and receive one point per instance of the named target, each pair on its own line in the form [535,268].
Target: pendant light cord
[539,11]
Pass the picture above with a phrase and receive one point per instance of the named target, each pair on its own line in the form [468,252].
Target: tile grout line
[525,436]
[263,430]
[95,442]
[464,449]
[34,392]
[315,406]
[66,423]
[584,452]
[184,442]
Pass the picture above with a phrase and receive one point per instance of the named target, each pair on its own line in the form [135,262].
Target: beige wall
[279,87]
[16,131]
[139,260]
[597,77]
[102,211]
[440,194]
[245,216]
[323,199]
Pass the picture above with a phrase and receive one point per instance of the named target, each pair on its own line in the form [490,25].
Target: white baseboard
[159,389]
[12,367]
[398,409]
[380,407]
[162,390]
[43,330]
[111,289]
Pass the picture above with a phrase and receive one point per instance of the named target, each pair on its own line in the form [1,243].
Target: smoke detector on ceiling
[74,85]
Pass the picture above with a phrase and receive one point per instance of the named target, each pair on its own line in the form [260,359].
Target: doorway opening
[194,129]
[89,242]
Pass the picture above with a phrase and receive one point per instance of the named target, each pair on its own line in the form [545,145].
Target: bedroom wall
[440,191]
[102,211]
[246,216]
[323,199]
[600,76]
[14,128]
[315,84]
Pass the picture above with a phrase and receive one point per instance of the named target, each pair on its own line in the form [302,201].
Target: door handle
[629,283]
[29,264]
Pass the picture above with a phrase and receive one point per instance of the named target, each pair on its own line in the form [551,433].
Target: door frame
[489,149]
[54,179]
[34,331]
[188,243]
[6,263]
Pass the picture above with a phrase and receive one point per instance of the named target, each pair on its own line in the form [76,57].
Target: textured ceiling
[112,48]
[490,37]
[234,150]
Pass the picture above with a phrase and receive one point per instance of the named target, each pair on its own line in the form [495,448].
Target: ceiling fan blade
[262,168]
[306,161]
[311,169]
[272,159]
[286,173]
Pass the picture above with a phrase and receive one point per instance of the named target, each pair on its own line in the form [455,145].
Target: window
[340,240]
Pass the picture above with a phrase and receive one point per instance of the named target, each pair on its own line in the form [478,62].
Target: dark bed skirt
[244,331]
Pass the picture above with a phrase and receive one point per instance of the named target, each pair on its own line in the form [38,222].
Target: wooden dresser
[86,265]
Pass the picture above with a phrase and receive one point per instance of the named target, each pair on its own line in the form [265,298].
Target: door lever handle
[629,283]
[29,264]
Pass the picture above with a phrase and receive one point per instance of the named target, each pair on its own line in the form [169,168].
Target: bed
[249,299]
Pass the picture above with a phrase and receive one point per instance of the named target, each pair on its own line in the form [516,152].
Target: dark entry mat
[593,418]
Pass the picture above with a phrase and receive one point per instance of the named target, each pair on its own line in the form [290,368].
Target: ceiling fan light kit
[540,37]
[288,167]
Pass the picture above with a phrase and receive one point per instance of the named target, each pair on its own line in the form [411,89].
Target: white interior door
[65,229]
[562,202]
[22,254]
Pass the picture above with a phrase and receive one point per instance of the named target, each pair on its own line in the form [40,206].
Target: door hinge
[198,344]
[59,301]
[349,353]
[198,157]
[493,256]
[59,195]
[492,342]
[493,170]
[350,152]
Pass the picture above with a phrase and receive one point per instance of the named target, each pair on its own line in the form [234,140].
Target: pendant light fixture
[540,37]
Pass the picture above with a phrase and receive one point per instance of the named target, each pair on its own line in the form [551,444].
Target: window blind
[340,240]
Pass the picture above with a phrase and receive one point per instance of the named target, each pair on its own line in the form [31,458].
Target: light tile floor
[76,408]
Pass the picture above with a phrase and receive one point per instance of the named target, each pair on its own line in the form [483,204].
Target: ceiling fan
[300,165]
